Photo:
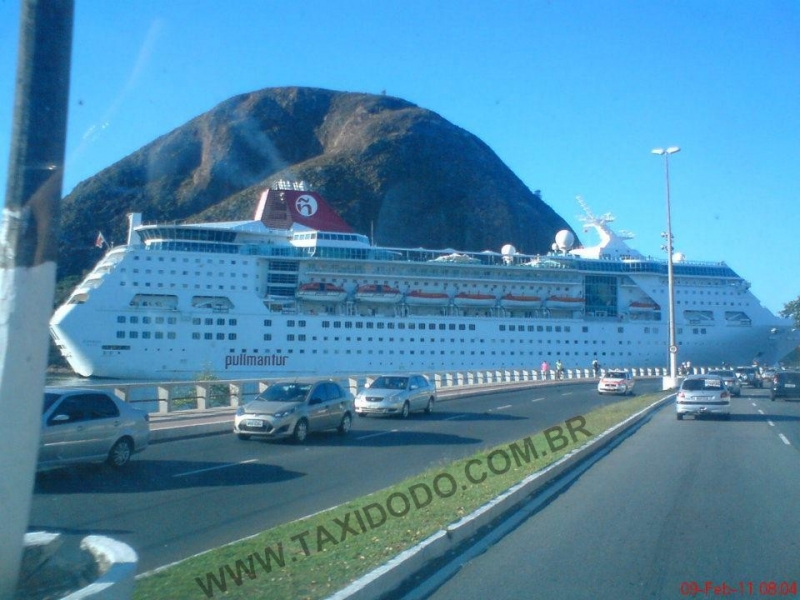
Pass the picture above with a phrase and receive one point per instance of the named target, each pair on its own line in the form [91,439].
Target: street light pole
[673,347]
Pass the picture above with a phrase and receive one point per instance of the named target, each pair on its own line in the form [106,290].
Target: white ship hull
[162,308]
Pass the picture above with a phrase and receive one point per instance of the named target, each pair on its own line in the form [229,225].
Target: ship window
[146,335]
[120,334]
[121,319]
[267,322]
[195,335]
[267,337]
[134,319]
[196,321]
[133,334]
[209,321]
[208,336]
[159,335]
[146,320]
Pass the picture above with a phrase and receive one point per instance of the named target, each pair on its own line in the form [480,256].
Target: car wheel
[429,407]
[405,410]
[120,453]
[243,436]
[300,432]
[344,426]
[679,416]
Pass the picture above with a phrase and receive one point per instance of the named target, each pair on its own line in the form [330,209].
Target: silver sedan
[85,425]
[396,395]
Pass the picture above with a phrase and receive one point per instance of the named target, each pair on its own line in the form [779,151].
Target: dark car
[749,376]
[785,384]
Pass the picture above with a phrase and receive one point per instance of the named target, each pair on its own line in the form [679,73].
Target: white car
[396,395]
[701,395]
[616,382]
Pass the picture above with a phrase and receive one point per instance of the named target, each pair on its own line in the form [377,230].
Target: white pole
[28,253]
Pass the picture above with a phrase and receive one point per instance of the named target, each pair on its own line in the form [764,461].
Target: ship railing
[188,397]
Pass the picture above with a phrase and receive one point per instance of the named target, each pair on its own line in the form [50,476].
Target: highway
[183,497]
[678,509]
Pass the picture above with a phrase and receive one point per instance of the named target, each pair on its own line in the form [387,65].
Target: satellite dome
[565,239]
[678,257]
[508,250]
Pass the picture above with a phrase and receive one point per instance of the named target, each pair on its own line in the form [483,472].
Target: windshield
[389,383]
[616,375]
[286,392]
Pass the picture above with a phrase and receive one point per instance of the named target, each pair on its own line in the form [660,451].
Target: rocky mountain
[390,168]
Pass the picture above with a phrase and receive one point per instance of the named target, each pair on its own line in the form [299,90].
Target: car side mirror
[60,418]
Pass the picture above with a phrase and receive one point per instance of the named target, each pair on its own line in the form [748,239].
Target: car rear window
[693,385]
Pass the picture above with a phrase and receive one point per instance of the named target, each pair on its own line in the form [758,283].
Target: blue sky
[571,95]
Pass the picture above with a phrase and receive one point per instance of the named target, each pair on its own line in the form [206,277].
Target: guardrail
[175,396]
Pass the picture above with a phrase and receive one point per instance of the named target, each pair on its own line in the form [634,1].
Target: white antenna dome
[508,251]
[565,239]
[678,257]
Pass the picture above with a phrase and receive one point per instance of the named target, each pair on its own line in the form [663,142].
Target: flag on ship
[100,241]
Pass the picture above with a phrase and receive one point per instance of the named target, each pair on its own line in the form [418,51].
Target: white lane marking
[754,404]
[244,462]
[504,407]
[785,441]
[761,412]
[537,399]
[461,416]
[372,435]
[771,424]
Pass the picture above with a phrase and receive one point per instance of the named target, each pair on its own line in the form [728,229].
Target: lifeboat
[512,301]
[375,292]
[321,292]
[643,306]
[569,302]
[464,299]
[427,298]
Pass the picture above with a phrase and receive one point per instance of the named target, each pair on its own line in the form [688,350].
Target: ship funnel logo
[306,205]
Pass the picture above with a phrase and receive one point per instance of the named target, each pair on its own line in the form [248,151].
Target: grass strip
[316,556]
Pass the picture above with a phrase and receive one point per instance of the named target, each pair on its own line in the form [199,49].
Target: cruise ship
[296,291]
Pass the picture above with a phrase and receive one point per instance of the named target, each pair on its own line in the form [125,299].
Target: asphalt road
[183,497]
[676,507]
